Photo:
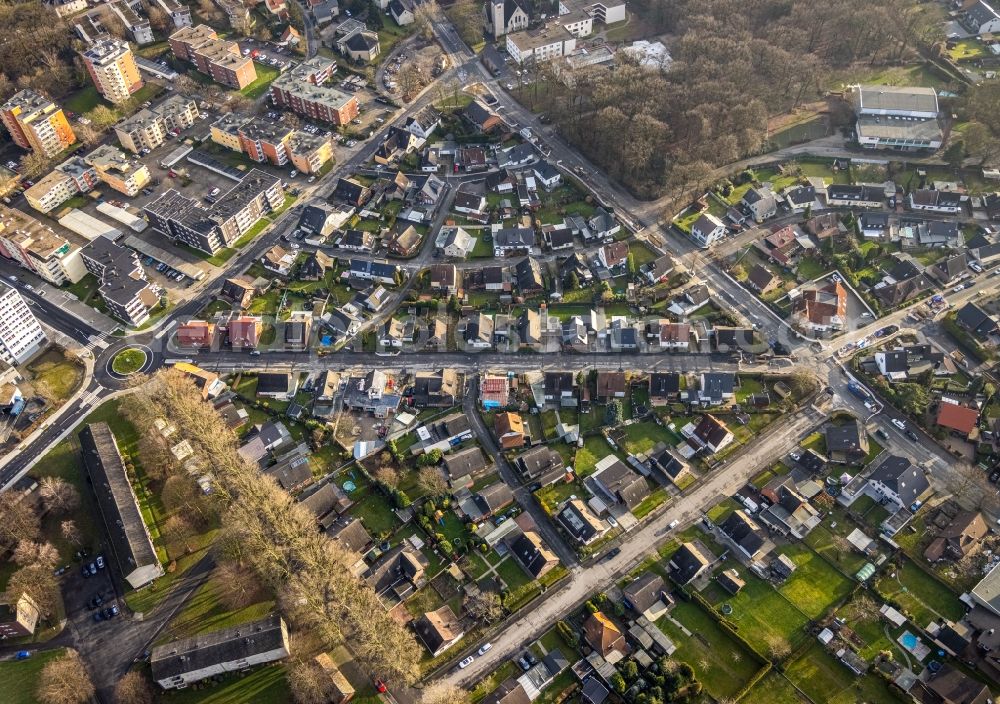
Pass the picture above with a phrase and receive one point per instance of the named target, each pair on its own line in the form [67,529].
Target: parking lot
[269,53]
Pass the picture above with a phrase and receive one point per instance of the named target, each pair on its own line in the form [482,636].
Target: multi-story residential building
[226,130]
[69,178]
[180,14]
[21,337]
[309,152]
[211,229]
[137,25]
[38,249]
[215,57]
[117,170]
[143,130]
[124,288]
[301,90]
[263,140]
[178,112]
[541,45]
[113,70]
[36,123]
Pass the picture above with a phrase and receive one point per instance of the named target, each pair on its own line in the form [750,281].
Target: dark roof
[227,645]
[744,531]
[530,553]
[360,41]
[594,692]
[130,543]
[644,591]
[975,320]
[273,382]
[688,561]
[510,691]
[718,384]
[666,384]
[558,382]
[352,535]
[905,479]
[895,361]
[493,497]
[539,460]
[622,483]
[849,438]
[477,113]
[573,520]
[466,462]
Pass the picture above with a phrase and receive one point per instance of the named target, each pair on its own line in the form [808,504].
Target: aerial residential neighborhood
[499,352]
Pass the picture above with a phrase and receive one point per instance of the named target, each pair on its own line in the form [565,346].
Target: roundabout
[127,361]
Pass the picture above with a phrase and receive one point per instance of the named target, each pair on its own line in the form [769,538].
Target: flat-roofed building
[117,170]
[21,337]
[188,660]
[50,191]
[309,152]
[37,248]
[143,130]
[262,140]
[36,123]
[540,45]
[112,68]
[890,117]
[130,545]
[301,90]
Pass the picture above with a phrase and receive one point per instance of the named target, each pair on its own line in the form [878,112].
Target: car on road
[466,662]
[111,611]
[523,663]
[881,434]
[485,648]
[22,655]
[99,560]
[899,423]
[12,278]
[673,524]
[611,554]
[95,602]
[911,435]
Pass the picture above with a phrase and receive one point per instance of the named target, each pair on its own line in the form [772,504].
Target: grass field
[774,689]
[21,677]
[265,685]
[265,76]
[721,663]
[818,674]
[814,586]
[920,594]
[643,437]
[595,448]
[55,377]
[760,613]
[128,361]
[206,611]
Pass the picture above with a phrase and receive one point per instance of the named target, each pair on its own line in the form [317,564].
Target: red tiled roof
[960,418]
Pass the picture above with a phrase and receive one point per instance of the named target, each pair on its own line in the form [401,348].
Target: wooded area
[735,64]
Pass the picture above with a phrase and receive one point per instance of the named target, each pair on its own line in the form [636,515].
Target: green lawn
[128,361]
[824,679]
[825,541]
[84,100]
[512,574]
[809,269]
[721,663]
[373,509]
[920,594]
[774,689]
[85,287]
[265,685]
[55,377]
[21,677]
[643,437]
[595,448]
[760,613]
[265,76]
[248,237]
[814,586]
[205,611]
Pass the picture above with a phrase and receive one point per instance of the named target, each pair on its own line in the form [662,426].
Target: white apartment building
[51,191]
[148,128]
[38,249]
[540,45]
[20,334]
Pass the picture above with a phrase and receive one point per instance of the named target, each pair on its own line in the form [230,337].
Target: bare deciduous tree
[240,587]
[178,531]
[134,688]
[18,520]
[70,532]
[59,495]
[308,682]
[443,693]
[387,476]
[432,482]
[29,552]
[484,606]
[65,681]
[38,582]
[158,19]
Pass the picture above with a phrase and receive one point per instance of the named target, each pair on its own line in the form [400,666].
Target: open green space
[643,437]
[20,677]
[373,509]
[54,377]
[818,674]
[264,685]
[721,662]
[128,361]
[920,595]
[774,689]
[815,586]
[595,448]
[206,611]
[760,613]
[265,76]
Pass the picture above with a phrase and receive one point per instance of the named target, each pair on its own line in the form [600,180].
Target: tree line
[735,65]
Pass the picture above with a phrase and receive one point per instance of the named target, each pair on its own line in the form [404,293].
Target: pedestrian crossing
[97,341]
[91,397]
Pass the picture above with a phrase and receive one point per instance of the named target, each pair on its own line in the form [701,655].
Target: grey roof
[744,531]
[464,463]
[644,591]
[130,543]
[227,645]
[911,99]
[905,479]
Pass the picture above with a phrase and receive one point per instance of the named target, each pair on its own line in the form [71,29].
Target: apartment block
[301,90]
[543,44]
[38,249]
[117,170]
[124,288]
[226,131]
[21,336]
[137,25]
[36,123]
[262,141]
[62,183]
[210,229]
[179,14]
[113,70]
[148,128]
[218,58]
[309,152]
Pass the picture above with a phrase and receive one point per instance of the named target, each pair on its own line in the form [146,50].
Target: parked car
[899,424]
[486,646]
[466,662]
[911,435]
